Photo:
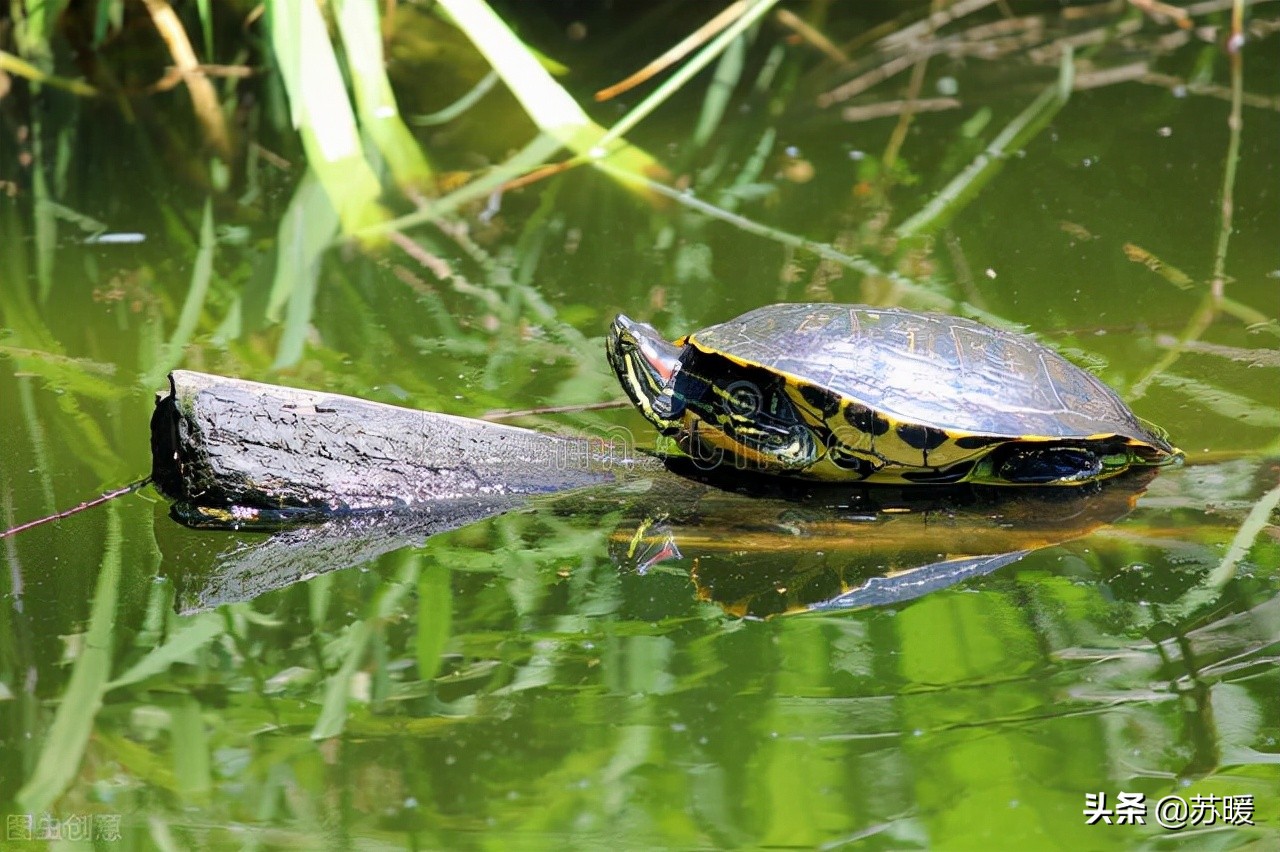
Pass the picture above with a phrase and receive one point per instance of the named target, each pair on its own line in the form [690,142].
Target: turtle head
[646,365]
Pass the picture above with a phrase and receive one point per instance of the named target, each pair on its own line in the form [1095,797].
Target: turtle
[854,393]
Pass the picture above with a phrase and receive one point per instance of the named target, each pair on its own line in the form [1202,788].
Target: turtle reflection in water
[856,393]
[788,547]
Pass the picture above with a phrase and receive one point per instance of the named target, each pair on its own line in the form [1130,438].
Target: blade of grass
[204,98]
[700,60]
[386,601]
[1231,406]
[192,306]
[46,221]
[190,750]
[86,442]
[375,102]
[461,105]
[109,17]
[1247,355]
[435,619]
[192,634]
[857,263]
[159,605]
[306,230]
[319,595]
[965,186]
[82,376]
[716,100]
[205,10]
[39,446]
[21,68]
[322,113]
[1253,525]
[1196,326]
[333,712]
[674,54]
[25,323]
[750,171]
[1168,272]
[68,735]
[538,151]
[812,35]
[88,224]
[1212,303]
[35,31]
[551,108]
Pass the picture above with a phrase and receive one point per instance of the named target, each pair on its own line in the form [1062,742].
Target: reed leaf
[306,230]
[551,108]
[193,304]
[964,187]
[68,735]
[190,636]
[376,105]
[321,112]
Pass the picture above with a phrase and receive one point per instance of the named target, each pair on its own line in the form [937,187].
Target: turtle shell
[940,371]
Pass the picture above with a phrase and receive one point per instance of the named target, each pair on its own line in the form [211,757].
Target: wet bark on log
[222,443]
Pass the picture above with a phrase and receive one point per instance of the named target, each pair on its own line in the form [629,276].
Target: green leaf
[333,713]
[1253,525]
[964,187]
[379,113]
[68,736]
[322,113]
[1230,405]
[190,749]
[306,230]
[192,306]
[551,108]
[435,618]
[194,633]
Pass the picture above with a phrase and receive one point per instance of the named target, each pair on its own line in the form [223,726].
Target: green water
[527,681]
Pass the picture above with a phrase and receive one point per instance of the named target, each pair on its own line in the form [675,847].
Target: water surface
[551,677]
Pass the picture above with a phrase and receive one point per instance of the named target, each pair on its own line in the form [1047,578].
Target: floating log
[237,453]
